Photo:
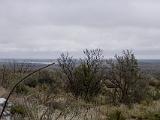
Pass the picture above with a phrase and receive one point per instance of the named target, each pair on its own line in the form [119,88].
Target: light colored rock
[6,113]
[2,101]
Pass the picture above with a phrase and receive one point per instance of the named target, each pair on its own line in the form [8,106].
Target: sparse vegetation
[90,88]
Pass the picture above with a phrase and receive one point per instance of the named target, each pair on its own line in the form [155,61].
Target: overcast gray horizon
[45,28]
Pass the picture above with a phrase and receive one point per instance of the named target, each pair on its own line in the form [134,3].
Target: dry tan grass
[136,111]
[3,92]
[68,108]
[78,110]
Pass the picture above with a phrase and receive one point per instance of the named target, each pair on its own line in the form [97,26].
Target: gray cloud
[44,28]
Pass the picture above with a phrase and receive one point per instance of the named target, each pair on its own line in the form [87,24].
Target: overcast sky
[45,28]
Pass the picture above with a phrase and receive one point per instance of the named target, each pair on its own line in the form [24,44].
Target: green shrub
[87,83]
[18,109]
[45,78]
[116,115]
[32,82]
[83,79]
[152,116]
[125,80]
[21,89]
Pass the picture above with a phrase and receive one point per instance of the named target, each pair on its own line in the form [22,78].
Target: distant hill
[147,65]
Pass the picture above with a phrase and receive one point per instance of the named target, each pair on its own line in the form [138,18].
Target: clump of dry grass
[135,111]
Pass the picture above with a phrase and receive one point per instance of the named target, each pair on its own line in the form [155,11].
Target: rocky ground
[6,114]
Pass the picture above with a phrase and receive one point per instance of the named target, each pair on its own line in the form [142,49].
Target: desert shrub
[116,115]
[21,89]
[31,82]
[45,78]
[84,78]
[49,79]
[154,93]
[155,83]
[152,116]
[18,109]
[87,84]
[124,80]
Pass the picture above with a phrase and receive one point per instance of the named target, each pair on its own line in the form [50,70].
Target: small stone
[2,101]
[6,113]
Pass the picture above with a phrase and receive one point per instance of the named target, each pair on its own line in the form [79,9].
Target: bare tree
[3,72]
[4,76]
[20,68]
[67,64]
[124,79]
